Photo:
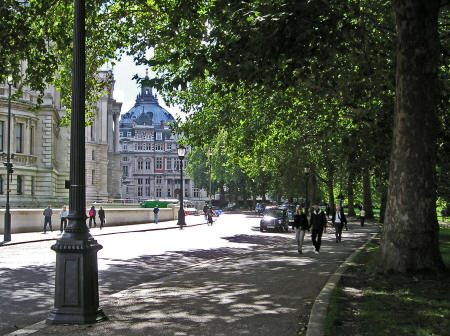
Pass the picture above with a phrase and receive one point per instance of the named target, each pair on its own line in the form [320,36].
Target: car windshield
[274,213]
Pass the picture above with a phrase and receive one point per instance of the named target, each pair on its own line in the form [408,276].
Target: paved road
[221,280]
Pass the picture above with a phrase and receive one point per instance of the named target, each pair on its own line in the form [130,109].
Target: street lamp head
[181,152]
[306,170]
[10,79]
[210,152]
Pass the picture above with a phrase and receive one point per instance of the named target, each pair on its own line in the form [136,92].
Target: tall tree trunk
[351,194]
[367,193]
[314,190]
[383,205]
[410,240]
[330,188]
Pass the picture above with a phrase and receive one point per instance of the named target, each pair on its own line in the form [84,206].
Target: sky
[126,89]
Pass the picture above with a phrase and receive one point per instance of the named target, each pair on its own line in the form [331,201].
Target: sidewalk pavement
[32,237]
[266,290]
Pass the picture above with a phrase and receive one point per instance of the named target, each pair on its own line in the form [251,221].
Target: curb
[103,234]
[319,310]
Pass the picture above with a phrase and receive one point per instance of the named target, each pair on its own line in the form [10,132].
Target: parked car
[274,219]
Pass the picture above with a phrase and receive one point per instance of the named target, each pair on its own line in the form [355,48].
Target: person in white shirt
[64,214]
[362,216]
[338,219]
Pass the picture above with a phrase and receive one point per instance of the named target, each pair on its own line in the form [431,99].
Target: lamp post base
[76,285]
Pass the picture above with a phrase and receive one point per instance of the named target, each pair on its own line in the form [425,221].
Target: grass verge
[371,304]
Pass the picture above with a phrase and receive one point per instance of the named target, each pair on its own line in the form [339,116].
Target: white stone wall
[32,220]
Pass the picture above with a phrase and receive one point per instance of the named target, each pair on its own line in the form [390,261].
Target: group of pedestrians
[317,224]
[64,216]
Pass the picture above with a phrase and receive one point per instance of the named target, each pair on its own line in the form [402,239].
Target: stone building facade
[149,159]
[41,150]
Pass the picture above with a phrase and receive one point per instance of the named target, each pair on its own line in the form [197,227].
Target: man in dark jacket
[101,215]
[338,219]
[318,221]
[301,225]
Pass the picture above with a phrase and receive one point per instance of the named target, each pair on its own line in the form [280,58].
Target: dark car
[274,220]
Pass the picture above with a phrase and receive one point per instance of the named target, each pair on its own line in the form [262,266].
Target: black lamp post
[9,169]
[210,158]
[181,154]
[306,170]
[76,284]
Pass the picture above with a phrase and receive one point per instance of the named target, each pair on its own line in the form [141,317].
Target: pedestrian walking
[92,213]
[48,212]
[101,216]
[155,213]
[210,216]
[64,214]
[300,225]
[362,216]
[338,219]
[205,211]
[317,223]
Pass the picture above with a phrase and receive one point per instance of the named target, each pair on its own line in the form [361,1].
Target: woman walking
[301,225]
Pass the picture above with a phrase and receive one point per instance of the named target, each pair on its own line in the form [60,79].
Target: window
[139,146]
[19,185]
[126,189]
[177,164]
[2,125]
[1,185]
[159,163]
[32,185]
[147,180]
[168,163]
[128,134]
[196,192]
[139,191]
[147,191]
[93,177]
[148,146]
[184,164]
[93,155]
[186,193]
[125,147]
[92,131]
[121,134]
[158,136]
[139,135]
[169,146]
[140,165]
[158,192]
[169,193]
[135,147]
[125,170]
[31,140]
[147,164]
[186,181]
[125,158]
[158,179]
[149,136]
[19,138]
[139,181]
[158,147]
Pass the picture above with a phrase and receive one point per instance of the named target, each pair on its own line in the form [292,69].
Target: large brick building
[150,164]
